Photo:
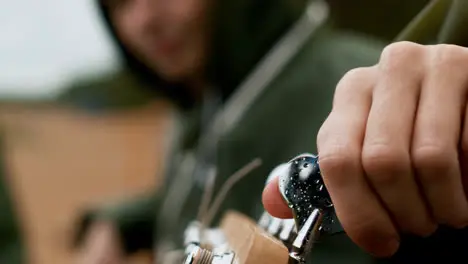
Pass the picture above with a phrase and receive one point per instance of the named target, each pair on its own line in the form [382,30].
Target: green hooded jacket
[285,52]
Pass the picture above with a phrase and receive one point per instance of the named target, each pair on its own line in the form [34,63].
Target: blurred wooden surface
[60,161]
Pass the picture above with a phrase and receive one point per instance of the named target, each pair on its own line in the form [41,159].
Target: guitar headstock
[250,243]
[242,240]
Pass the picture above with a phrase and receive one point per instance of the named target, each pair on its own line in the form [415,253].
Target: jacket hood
[243,32]
[149,79]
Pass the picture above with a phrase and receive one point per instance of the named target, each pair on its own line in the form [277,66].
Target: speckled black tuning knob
[302,187]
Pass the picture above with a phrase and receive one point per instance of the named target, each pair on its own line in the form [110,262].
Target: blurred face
[169,36]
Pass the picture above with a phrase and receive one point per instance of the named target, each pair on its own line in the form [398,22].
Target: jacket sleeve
[134,219]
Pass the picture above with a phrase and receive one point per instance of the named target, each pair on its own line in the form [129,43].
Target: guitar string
[207,195]
[227,186]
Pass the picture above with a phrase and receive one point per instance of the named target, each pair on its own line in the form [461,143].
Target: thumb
[273,201]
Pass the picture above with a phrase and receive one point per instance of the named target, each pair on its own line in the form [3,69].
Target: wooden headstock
[250,243]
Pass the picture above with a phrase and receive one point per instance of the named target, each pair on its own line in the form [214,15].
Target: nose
[145,11]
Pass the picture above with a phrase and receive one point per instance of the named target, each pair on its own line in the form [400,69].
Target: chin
[175,73]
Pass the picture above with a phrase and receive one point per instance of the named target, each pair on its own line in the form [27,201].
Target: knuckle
[337,163]
[400,54]
[384,161]
[432,157]
[423,229]
[370,235]
[358,74]
[322,134]
[456,221]
[448,56]
[363,233]
[426,230]
[325,128]
[362,76]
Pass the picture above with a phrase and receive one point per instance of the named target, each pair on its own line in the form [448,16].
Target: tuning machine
[198,255]
[241,240]
[302,187]
[211,250]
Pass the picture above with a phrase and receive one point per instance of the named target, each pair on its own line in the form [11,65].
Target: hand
[393,150]
[101,246]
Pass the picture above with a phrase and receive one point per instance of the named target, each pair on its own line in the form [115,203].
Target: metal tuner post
[213,251]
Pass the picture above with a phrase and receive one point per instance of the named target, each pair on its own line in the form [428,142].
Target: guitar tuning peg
[305,238]
[225,258]
[198,255]
[275,226]
[302,187]
[288,230]
[192,234]
[276,172]
[264,220]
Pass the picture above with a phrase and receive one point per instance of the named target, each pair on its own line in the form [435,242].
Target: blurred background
[75,129]
[60,159]
[45,45]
